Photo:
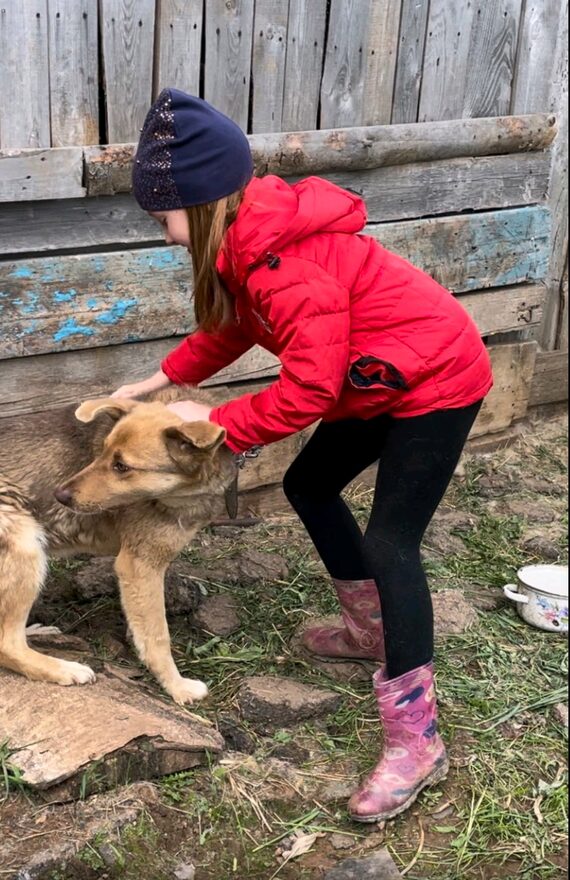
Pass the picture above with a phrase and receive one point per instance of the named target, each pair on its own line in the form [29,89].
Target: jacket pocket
[368,371]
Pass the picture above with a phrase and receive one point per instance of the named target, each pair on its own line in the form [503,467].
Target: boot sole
[438,775]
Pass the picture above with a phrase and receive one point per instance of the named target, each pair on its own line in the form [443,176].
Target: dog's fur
[144,516]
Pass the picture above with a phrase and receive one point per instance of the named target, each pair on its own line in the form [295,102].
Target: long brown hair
[208,224]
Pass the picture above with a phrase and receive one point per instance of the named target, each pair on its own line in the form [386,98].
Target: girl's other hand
[154,383]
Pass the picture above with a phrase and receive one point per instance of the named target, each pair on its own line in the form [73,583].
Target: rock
[237,738]
[218,615]
[68,740]
[51,639]
[65,830]
[181,591]
[484,598]
[561,714]
[342,841]
[528,509]
[541,547]
[96,578]
[452,613]
[108,853]
[545,486]
[247,566]
[379,866]
[185,872]
[256,566]
[291,752]
[493,485]
[271,702]
[440,537]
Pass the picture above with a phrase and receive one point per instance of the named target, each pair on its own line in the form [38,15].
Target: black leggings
[417,457]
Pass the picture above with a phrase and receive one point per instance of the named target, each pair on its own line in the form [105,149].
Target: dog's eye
[120,467]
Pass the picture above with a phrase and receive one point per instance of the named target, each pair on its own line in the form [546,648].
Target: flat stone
[484,598]
[218,615]
[440,537]
[270,702]
[342,841]
[236,737]
[544,486]
[528,509]
[379,866]
[65,829]
[452,613]
[118,728]
[185,872]
[541,548]
[561,714]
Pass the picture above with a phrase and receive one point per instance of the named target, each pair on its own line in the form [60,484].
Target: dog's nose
[64,496]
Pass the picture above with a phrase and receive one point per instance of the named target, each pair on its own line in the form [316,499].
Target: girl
[382,355]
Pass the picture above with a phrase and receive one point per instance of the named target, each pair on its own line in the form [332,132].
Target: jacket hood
[274,214]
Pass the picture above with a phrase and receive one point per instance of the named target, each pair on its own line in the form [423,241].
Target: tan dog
[133,481]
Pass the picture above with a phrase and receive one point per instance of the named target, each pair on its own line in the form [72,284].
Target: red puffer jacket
[358,330]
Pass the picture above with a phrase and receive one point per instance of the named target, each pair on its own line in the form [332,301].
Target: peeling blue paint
[22,272]
[117,311]
[108,285]
[64,295]
[29,305]
[98,264]
[28,330]
[72,328]
[92,303]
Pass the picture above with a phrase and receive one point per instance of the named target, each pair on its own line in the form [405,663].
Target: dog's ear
[114,407]
[188,438]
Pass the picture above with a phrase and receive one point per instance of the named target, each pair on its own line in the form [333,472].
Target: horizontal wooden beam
[106,170]
[83,301]
[550,379]
[396,192]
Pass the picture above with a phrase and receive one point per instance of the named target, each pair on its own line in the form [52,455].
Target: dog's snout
[63,495]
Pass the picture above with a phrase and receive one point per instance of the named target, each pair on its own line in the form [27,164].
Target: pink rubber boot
[414,755]
[361,637]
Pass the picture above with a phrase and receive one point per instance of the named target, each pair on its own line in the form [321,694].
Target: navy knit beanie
[188,154]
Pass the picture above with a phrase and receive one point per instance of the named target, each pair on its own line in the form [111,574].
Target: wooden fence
[77,72]
[89,295]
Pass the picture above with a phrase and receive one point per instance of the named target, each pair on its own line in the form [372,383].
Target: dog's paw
[188,690]
[74,673]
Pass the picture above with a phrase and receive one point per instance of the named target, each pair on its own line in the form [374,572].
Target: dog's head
[149,453]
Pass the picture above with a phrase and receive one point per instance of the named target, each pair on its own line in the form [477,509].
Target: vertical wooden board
[128,45]
[491,61]
[268,64]
[178,45]
[24,74]
[410,60]
[513,369]
[445,69]
[73,71]
[558,192]
[303,66]
[535,59]
[229,30]
[381,54]
[343,76]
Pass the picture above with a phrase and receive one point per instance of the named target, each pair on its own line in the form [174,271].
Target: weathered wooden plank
[24,75]
[35,228]
[445,69]
[505,308]
[474,251]
[391,193]
[61,303]
[127,41]
[381,55]
[550,378]
[178,45]
[562,338]
[491,61]
[535,60]
[303,67]
[229,30]
[558,193]
[73,72]
[513,369]
[360,62]
[268,64]
[41,174]
[409,66]
[400,192]
[93,372]
[108,169]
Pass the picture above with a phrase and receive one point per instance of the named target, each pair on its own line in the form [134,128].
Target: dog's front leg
[141,581]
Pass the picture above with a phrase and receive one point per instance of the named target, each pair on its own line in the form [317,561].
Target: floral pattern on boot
[361,637]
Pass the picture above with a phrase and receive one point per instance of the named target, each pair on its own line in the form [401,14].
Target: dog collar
[231,493]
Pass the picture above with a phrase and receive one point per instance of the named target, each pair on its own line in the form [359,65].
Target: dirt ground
[237,602]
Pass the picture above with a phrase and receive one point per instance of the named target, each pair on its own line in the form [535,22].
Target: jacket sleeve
[202,354]
[309,323]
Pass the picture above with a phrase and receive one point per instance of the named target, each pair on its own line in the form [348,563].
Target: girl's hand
[190,411]
[154,383]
